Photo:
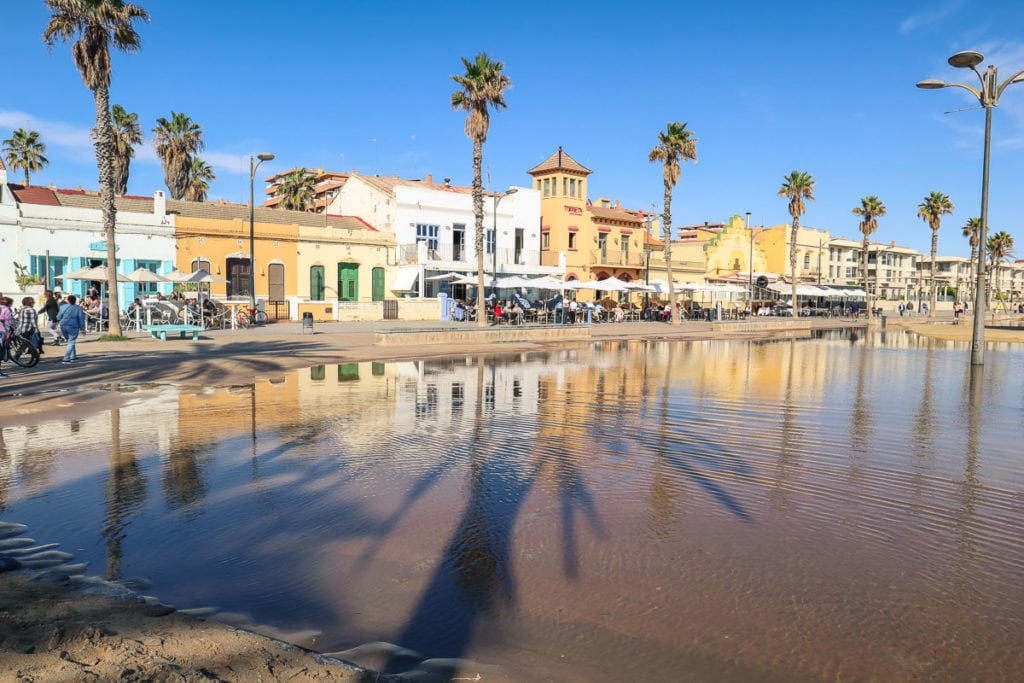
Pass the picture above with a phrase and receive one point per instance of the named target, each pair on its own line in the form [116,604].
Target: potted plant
[28,282]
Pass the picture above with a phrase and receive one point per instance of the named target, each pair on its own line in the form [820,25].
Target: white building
[51,236]
[434,228]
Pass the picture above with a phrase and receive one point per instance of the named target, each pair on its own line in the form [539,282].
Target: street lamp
[988,96]
[253,165]
[750,265]
[497,200]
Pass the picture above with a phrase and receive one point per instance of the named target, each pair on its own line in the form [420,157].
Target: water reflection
[601,513]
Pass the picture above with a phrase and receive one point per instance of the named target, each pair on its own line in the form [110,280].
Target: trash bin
[307,322]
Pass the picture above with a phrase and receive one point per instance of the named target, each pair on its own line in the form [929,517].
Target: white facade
[66,238]
[435,230]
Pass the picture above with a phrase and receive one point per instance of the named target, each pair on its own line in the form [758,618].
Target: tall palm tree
[200,175]
[931,210]
[972,231]
[125,135]
[870,210]
[797,187]
[999,247]
[297,188]
[24,150]
[178,139]
[676,145]
[94,25]
[482,86]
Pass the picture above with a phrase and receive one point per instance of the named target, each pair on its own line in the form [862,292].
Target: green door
[316,283]
[377,280]
[348,282]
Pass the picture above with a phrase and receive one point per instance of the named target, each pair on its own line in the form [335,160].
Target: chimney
[430,179]
[447,182]
[617,204]
[159,204]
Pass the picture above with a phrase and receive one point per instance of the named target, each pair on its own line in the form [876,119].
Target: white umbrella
[204,276]
[512,282]
[97,273]
[178,276]
[145,275]
[446,276]
[547,282]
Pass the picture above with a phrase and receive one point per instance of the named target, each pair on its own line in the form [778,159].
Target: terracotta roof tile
[613,214]
[560,161]
[213,210]
[34,194]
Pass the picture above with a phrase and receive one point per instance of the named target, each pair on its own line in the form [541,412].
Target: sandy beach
[52,631]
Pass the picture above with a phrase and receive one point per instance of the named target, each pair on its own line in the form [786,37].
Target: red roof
[34,195]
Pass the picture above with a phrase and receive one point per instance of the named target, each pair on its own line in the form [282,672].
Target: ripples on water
[716,510]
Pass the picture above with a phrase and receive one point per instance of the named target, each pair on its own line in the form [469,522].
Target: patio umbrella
[452,276]
[97,273]
[547,282]
[145,275]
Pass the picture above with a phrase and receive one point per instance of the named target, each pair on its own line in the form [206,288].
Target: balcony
[459,257]
[623,259]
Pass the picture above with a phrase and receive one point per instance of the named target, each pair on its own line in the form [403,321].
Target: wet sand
[50,631]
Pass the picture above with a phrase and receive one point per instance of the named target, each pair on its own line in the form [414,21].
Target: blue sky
[767,88]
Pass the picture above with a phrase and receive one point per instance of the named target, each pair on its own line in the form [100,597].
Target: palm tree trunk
[864,262]
[792,261]
[104,160]
[478,211]
[667,229]
[935,249]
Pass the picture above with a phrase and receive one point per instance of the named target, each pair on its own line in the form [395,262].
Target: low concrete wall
[487,335]
[756,325]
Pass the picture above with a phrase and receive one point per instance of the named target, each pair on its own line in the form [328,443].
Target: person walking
[51,307]
[6,327]
[72,323]
[28,323]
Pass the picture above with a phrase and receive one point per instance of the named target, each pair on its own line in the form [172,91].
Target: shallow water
[798,509]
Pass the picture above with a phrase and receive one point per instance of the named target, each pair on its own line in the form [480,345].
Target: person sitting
[209,311]
[459,312]
[515,315]
[499,314]
[191,312]
[618,315]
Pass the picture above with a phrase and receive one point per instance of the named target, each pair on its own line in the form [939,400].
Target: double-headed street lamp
[253,165]
[498,196]
[988,96]
[750,265]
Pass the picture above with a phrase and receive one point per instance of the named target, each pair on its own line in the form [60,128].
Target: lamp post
[988,96]
[498,196]
[253,165]
[750,265]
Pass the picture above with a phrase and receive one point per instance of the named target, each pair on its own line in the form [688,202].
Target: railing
[608,257]
[419,253]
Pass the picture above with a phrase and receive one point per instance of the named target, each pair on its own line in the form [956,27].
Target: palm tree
[200,175]
[24,150]
[297,189]
[972,231]
[125,135]
[870,210]
[797,186]
[177,141]
[999,247]
[676,145]
[931,211]
[482,86]
[94,25]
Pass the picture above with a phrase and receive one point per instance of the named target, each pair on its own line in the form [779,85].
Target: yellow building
[600,239]
[300,257]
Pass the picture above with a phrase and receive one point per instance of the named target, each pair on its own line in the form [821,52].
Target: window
[149,288]
[572,187]
[565,186]
[624,240]
[547,187]
[545,240]
[572,240]
[489,242]
[428,233]
[807,261]
[851,271]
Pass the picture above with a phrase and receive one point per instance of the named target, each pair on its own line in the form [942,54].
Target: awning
[405,280]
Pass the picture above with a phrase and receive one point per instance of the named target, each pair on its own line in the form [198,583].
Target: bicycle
[22,351]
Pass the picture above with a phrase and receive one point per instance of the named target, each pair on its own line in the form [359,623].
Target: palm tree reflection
[125,494]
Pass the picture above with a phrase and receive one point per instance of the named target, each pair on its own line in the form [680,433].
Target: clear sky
[822,87]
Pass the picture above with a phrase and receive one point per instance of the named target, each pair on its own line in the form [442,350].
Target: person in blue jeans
[71,319]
